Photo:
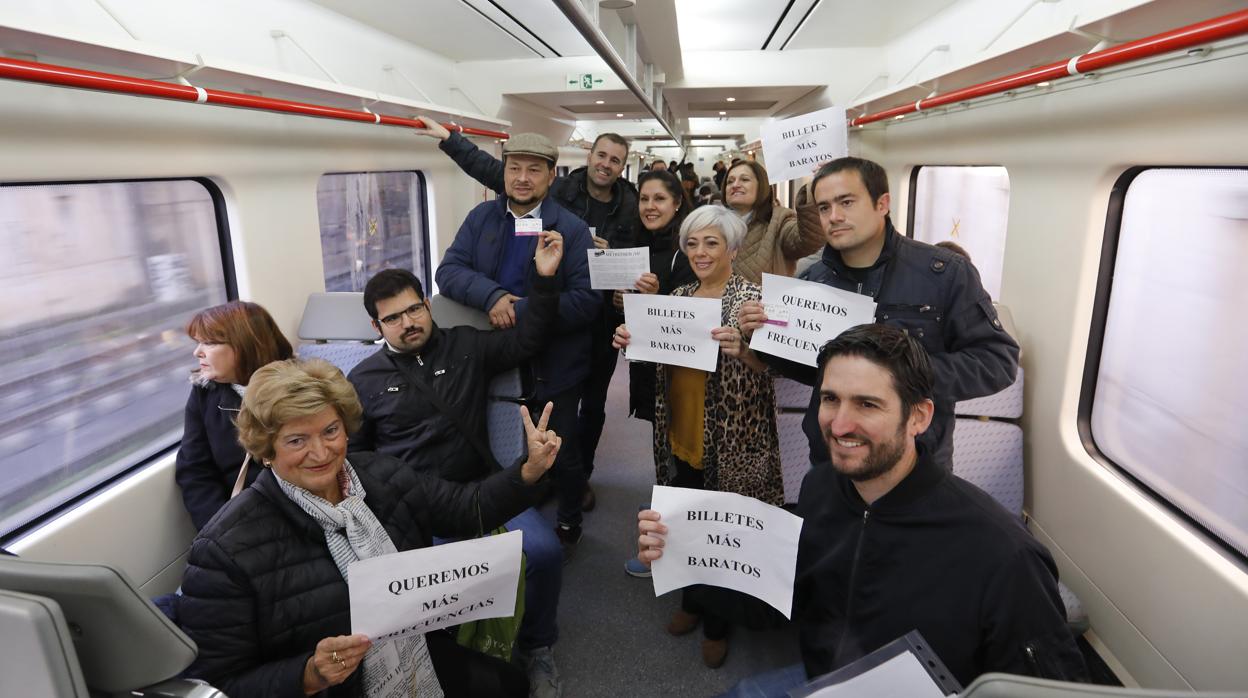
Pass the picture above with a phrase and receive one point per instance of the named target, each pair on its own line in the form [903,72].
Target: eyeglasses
[414,311]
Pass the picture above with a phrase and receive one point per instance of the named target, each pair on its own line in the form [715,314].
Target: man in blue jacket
[488,266]
[932,293]
[607,202]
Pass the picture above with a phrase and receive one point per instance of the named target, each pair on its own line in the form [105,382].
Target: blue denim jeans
[543,578]
[772,684]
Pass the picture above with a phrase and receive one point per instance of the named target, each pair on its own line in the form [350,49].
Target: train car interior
[161,157]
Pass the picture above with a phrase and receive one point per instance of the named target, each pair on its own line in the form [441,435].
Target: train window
[1166,386]
[97,283]
[966,205]
[372,221]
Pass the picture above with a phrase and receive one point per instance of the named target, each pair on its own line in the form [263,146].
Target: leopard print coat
[740,448]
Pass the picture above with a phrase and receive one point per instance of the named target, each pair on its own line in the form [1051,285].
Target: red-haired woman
[776,236]
[232,341]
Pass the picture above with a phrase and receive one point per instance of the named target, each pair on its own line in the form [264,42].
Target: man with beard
[425,392]
[607,202]
[933,293]
[489,266]
[892,541]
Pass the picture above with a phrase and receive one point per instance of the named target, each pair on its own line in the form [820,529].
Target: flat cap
[531,144]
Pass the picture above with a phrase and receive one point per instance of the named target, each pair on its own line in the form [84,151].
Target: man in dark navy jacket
[608,204]
[488,266]
[933,293]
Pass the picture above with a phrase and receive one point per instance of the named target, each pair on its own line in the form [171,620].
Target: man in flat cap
[607,202]
[490,266]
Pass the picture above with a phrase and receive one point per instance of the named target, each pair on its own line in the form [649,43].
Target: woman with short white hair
[716,431]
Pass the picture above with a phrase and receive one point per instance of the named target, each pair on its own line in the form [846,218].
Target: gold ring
[334,656]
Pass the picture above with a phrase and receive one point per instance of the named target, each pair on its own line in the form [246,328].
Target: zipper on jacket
[1033,662]
[853,580]
[420,361]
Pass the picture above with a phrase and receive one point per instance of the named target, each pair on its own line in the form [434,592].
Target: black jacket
[935,554]
[936,295]
[457,362]
[261,588]
[210,455]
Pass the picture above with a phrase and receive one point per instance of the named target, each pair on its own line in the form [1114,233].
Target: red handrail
[30,71]
[1224,27]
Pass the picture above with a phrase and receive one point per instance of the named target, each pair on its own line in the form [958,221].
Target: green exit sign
[585,81]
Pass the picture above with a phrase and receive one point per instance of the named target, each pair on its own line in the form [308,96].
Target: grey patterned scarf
[396,669]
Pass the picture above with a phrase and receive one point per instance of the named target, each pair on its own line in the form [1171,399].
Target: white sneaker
[543,674]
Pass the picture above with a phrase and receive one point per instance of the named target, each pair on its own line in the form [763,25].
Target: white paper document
[816,313]
[673,330]
[726,540]
[900,677]
[796,147]
[617,270]
[430,588]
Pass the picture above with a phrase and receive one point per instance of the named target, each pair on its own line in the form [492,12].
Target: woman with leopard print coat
[716,431]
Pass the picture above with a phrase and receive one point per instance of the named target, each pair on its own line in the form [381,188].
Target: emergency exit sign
[585,81]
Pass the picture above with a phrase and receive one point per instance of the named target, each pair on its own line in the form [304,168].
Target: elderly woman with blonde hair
[265,591]
[715,431]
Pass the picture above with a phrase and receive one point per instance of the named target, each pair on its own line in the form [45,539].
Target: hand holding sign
[750,317]
[549,253]
[730,343]
[333,661]
[649,536]
[543,445]
[620,339]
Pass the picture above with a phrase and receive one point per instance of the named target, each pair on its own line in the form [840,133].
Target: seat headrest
[123,642]
[338,315]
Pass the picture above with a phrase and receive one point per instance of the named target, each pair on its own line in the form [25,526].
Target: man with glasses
[425,391]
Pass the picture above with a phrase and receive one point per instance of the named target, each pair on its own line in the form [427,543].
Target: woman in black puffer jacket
[265,594]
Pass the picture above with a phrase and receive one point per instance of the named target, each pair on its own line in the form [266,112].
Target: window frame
[230,279]
[1095,348]
[423,191]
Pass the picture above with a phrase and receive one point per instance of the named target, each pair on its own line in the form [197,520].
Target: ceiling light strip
[575,12]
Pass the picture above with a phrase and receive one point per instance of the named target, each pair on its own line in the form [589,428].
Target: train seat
[503,422]
[70,626]
[336,328]
[39,657]
[792,400]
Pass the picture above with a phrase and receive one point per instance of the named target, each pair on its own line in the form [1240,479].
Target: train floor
[612,637]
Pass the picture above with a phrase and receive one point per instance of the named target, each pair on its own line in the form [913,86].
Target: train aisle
[613,640]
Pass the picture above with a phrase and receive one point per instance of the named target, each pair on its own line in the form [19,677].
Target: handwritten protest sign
[672,330]
[726,540]
[619,269]
[794,147]
[430,588]
[816,313]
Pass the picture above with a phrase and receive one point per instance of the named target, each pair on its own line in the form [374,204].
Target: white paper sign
[726,540]
[900,677]
[817,313]
[795,147]
[617,269]
[673,330]
[430,588]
